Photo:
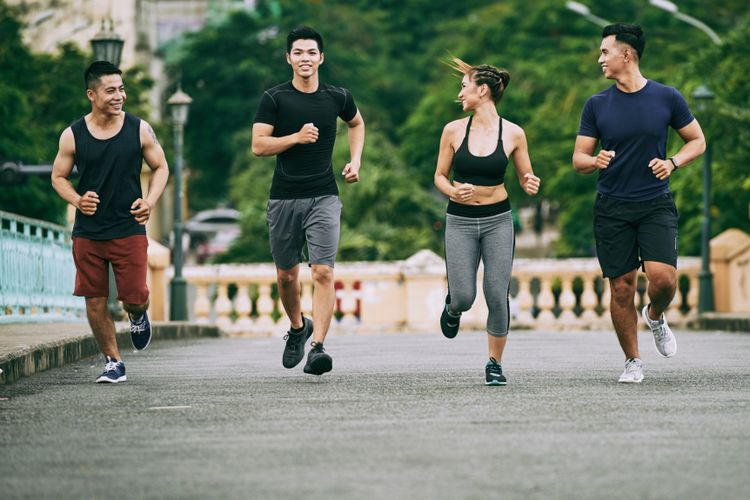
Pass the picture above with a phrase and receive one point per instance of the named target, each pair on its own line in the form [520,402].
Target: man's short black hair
[303,33]
[632,34]
[98,69]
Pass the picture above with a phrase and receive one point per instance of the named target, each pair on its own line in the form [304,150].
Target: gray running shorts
[292,223]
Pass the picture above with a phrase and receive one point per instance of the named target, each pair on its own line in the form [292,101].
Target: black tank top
[112,169]
[480,170]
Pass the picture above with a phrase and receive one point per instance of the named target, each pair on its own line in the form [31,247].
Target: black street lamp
[107,45]
[179,104]
[703,99]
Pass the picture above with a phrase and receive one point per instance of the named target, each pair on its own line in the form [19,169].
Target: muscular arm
[157,162]
[265,144]
[584,160]
[356,145]
[62,167]
[695,143]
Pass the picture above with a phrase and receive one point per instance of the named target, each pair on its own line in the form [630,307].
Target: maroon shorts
[129,258]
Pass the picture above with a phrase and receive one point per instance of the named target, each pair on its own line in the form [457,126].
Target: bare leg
[662,285]
[102,326]
[624,315]
[324,299]
[496,347]
[289,293]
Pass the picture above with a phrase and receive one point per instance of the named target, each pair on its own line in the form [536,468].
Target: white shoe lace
[111,366]
[138,328]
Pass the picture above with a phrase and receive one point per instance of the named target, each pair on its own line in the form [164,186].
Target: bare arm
[61,169]
[157,162]
[265,144]
[521,161]
[444,162]
[584,160]
[356,145]
[695,145]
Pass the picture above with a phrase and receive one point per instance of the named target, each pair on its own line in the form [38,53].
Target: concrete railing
[409,295]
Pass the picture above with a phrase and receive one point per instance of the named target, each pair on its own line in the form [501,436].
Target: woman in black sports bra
[478,220]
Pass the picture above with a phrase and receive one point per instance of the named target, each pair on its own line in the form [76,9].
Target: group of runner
[635,219]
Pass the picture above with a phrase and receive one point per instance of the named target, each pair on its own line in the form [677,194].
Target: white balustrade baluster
[545,302]
[223,307]
[525,300]
[264,321]
[567,300]
[589,300]
[202,305]
[243,306]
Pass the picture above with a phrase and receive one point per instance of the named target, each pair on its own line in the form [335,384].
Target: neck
[307,85]
[632,81]
[104,120]
[486,114]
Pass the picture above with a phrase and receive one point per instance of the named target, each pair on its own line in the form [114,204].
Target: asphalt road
[401,416]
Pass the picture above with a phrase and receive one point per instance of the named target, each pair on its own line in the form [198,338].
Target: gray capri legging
[491,239]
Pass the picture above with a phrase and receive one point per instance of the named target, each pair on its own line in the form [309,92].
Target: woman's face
[470,94]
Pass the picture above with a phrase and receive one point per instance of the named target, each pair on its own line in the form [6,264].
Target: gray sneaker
[664,341]
[294,350]
[633,373]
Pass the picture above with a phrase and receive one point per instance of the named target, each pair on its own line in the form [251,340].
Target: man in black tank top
[296,121]
[109,146]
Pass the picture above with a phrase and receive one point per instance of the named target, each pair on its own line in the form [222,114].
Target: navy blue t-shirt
[305,170]
[635,126]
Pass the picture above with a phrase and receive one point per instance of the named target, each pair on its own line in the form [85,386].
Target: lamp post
[179,104]
[703,98]
[583,10]
[107,45]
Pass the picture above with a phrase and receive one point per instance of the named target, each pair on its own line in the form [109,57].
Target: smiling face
[305,58]
[108,95]
[471,95]
[614,56]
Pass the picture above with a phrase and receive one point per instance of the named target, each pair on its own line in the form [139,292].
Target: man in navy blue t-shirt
[296,122]
[635,219]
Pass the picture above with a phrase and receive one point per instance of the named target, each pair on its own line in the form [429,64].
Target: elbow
[257,150]
[702,145]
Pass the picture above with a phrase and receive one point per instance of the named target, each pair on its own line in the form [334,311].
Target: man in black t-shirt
[296,121]
[635,219]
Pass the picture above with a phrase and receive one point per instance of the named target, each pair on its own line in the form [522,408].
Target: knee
[286,278]
[663,283]
[461,302]
[322,275]
[623,292]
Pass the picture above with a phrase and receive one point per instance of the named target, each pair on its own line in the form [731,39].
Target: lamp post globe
[179,105]
[107,45]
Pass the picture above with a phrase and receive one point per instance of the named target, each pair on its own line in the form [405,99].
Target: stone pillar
[158,261]
[730,265]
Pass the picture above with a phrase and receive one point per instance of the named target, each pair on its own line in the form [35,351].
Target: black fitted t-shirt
[112,169]
[305,170]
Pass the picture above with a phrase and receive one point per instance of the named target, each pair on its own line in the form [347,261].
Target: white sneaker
[664,341]
[633,373]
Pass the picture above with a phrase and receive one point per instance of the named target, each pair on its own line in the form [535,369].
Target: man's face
[612,56]
[304,58]
[108,96]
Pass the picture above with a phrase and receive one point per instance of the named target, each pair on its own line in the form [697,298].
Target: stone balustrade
[409,295]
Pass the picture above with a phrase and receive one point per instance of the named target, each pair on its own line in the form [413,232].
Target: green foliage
[391,55]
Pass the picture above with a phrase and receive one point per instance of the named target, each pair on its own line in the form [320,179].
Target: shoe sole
[312,328]
[621,381]
[102,380]
[496,383]
[319,366]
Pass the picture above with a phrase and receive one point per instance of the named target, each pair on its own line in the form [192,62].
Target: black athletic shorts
[630,233]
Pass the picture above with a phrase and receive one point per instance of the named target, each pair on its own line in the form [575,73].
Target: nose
[601,58]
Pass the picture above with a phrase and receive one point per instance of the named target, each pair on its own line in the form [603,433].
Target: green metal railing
[36,271]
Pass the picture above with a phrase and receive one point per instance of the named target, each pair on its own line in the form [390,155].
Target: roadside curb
[28,360]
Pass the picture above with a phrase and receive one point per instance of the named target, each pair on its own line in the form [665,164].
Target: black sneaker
[448,322]
[318,362]
[140,332]
[294,350]
[114,372]
[493,372]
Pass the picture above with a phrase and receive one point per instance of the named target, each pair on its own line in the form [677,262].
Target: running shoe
[448,321]
[318,362]
[140,332]
[664,341]
[294,350]
[633,373]
[493,372]
[114,371]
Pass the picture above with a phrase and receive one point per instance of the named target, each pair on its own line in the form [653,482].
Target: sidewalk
[28,348]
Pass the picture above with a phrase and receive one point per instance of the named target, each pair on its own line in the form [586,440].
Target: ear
[322,58]
[90,94]
[288,59]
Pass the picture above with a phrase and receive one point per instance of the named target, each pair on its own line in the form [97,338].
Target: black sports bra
[480,170]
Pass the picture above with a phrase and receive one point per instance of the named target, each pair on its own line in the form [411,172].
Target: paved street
[401,416]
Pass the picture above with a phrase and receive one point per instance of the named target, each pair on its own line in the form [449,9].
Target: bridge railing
[36,271]
[408,295]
